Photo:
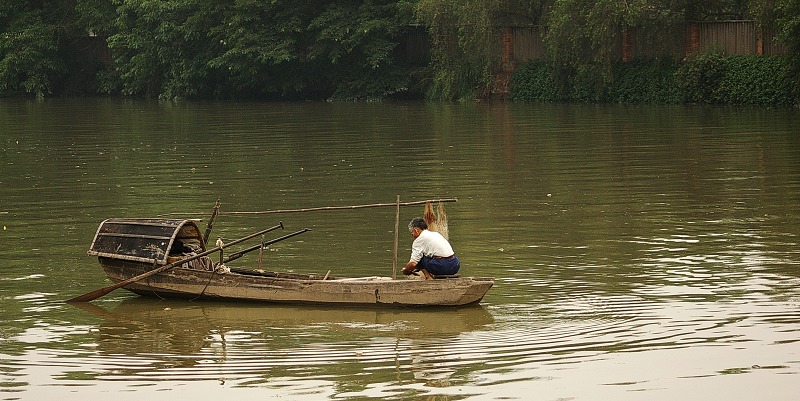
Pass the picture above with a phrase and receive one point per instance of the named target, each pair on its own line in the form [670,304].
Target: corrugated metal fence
[726,37]
[738,37]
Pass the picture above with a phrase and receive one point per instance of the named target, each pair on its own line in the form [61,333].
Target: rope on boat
[217,268]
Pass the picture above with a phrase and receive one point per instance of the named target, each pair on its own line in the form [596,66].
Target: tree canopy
[327,49]
[212,48]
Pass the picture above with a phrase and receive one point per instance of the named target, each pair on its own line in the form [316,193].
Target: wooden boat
[127,248]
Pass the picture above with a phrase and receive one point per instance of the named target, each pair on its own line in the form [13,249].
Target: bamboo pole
[210,224]
[326,208]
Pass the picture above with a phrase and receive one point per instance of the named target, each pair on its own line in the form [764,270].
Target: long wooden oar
[241,253]
[90,296]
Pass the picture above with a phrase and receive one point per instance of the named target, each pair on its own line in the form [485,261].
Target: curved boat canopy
[146,240]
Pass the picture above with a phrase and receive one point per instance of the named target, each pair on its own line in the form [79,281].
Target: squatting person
[430,253]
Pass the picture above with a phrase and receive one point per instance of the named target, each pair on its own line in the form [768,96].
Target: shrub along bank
[708,78]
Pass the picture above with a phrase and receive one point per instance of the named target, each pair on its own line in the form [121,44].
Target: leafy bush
[756,80]
[586,84]
[748,79]
[29,62]
[639,81]
[700,78]
[644,81]
[535,81]
[457,80]
[706,78]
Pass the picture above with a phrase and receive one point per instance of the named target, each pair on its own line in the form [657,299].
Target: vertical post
[694,39]
[508,56]
[627,45]
[210,224]
[760,40]
[261,254]
[396,236]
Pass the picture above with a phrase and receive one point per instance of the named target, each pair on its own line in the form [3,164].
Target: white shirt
[430,243]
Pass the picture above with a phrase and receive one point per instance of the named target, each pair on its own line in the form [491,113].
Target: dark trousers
[439,266]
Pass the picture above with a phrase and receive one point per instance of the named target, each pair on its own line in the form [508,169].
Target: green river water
[639,252]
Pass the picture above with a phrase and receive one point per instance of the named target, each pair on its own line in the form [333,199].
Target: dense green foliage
[354,49]
[706,78]
[581,36]
[28,48]
[251,48]
[750,80]
[789,24]
[535,81]
[700,78]
[465,35]
[211,49]
[461,55]
[644,81]
[757,80]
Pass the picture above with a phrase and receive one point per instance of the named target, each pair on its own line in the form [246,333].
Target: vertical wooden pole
[396,236]
[760,41]
[261,254]
[210,224]
[627,45]
[694,39]
[507,58]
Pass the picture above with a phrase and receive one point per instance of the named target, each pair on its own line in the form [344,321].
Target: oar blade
[91,296]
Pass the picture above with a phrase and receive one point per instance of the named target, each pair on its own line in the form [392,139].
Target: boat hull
[249,285]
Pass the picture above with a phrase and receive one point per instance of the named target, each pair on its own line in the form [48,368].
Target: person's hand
[408,270]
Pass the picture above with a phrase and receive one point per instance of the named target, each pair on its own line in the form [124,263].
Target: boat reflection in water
[253,343]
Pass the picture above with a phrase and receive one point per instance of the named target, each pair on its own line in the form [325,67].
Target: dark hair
[417,222]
